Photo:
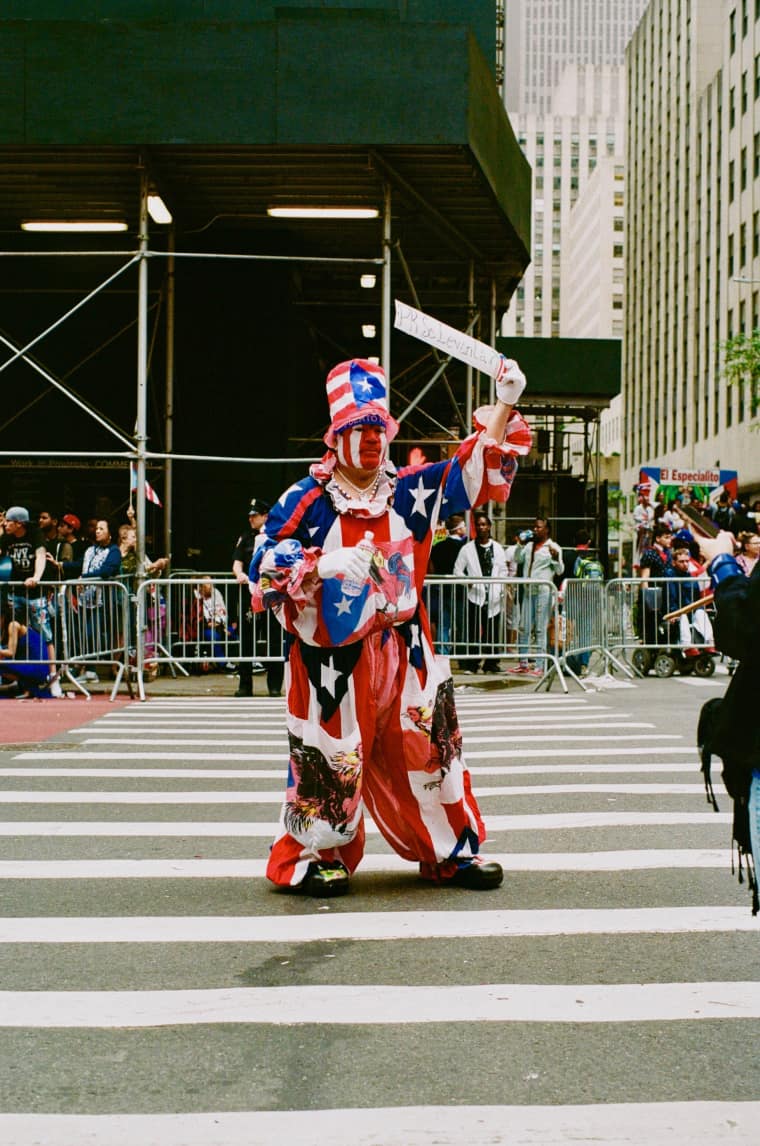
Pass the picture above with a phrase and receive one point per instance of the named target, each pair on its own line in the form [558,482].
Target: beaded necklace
[365,494]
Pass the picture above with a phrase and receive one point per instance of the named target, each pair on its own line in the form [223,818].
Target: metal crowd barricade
[194,623]
[482,619]
[585,628]
[93,626]
[636,625]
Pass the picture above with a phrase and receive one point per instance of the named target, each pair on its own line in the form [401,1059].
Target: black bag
[737,778]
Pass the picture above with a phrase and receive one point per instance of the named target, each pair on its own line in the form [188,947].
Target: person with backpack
[578,604]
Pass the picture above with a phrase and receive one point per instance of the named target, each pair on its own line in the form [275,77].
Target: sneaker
[55,688]
[244,692]
[325,878]
[521,668]
[257,667]
[476,875]
[491,666]
[535,671]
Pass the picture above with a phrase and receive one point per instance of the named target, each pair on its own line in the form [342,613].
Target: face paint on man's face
[363,447]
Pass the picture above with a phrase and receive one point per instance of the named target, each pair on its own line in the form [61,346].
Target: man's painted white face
[363,447]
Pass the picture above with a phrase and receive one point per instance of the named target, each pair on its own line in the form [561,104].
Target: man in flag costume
[371,715]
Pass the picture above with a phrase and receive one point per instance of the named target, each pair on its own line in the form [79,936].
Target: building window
[732,107]
[757,155]
[617,251]
[732,31]
[744,93]
[730,260]
[618,224]
[731,180]
[757,75]
[743,176]
[743,246]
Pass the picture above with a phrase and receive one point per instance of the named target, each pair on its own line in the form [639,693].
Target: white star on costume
[328,677]
[420,497]
[288,491]
[343,606]
[365,384]
[313,529]
[414,632]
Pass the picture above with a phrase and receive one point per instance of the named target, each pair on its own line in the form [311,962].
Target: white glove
[349,560]
[510,381]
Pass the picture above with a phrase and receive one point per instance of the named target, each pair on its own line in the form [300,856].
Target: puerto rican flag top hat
[357,395]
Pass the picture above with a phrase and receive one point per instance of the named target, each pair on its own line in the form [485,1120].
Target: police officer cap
[258,506]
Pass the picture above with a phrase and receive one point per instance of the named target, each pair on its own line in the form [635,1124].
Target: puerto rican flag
[150,493]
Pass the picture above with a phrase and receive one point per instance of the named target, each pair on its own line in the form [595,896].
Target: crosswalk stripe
[281,772]
[542,822]
[383,925]
[348,1004]
[732,1123]
[222,730]
[519,738]
[640,860]
[250,796]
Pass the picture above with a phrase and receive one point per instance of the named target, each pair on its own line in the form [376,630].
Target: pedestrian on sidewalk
[484,557]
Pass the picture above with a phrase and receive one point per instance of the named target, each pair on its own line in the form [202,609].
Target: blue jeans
[754,817]
[534,619]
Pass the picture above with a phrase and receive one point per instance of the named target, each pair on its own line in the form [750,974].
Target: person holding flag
[371,718]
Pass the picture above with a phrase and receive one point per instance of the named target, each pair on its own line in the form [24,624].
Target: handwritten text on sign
[445,338]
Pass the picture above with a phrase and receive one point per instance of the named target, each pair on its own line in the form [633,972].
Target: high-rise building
[692,236]
[564,87]
[543,37]
[593,272]
[563,151]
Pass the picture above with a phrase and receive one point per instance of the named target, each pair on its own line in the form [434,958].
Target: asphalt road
[156,990]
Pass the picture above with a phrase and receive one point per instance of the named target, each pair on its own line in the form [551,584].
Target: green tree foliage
[741,365]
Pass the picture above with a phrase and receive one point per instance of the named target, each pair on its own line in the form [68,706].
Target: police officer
[241,560]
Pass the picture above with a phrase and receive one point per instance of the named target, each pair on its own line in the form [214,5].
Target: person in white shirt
[483,557]
[538,559]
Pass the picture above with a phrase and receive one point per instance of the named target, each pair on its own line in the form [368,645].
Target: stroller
[672,653]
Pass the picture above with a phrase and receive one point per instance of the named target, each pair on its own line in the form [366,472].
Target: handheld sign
[445,338]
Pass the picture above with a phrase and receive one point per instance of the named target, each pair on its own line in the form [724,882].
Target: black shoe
[244,692]
[324,878]
[491,666]
[477,876]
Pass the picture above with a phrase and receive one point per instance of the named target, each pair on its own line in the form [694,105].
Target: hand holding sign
[510,381]
[509,378]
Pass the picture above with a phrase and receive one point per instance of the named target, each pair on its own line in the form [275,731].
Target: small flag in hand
[150,493]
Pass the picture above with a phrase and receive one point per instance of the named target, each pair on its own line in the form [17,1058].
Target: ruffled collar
[343,500]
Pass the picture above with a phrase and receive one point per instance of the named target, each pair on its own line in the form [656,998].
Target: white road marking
[378,1004]
[280,773]
[382,925]
[613,861]
[251,796]
[604,1124]
[506,723]
[546,822]
[515,738]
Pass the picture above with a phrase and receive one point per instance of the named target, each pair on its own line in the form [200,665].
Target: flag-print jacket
[314,517]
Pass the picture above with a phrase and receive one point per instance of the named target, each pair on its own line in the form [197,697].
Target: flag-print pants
[368,728]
